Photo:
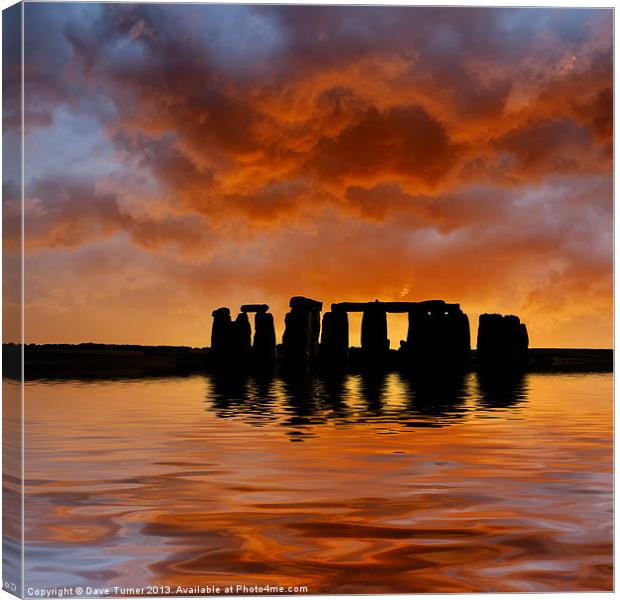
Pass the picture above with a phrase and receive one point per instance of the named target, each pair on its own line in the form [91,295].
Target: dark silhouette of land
[101,361]
[438,340]
[105,361]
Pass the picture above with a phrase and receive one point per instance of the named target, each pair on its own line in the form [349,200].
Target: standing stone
[438,333]
[454,344]
[464,335]
[335,337]
[315,330]
[419,334]
[490,334]
[221,333]
[241,339]
[264,348]
[502,340]
[300,342]
[375,340]
[524,339]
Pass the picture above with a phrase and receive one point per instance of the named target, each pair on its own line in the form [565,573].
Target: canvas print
[306,299]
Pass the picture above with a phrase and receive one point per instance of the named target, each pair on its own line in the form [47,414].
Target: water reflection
[438,400]
[299,402]
[401,484]
[253,397]
[504,390]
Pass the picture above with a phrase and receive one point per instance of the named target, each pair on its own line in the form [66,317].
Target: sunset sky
[185,157]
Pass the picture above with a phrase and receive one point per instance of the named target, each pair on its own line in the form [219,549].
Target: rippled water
[354,484]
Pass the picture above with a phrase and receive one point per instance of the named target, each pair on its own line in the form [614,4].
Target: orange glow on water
[357,485]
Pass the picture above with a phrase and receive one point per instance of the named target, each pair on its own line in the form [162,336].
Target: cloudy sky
[185,157]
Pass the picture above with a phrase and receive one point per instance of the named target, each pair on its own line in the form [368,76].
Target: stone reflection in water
[373,390]
[300,401]
[238,395]
[436,398]
[501,390]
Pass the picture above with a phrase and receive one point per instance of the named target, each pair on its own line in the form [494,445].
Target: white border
[548,4]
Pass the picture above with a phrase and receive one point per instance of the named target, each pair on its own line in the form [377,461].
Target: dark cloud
[550,147]
[63,212]
[403,143]
[427,98]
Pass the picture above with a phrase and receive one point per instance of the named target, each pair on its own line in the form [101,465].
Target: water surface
[347,484]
